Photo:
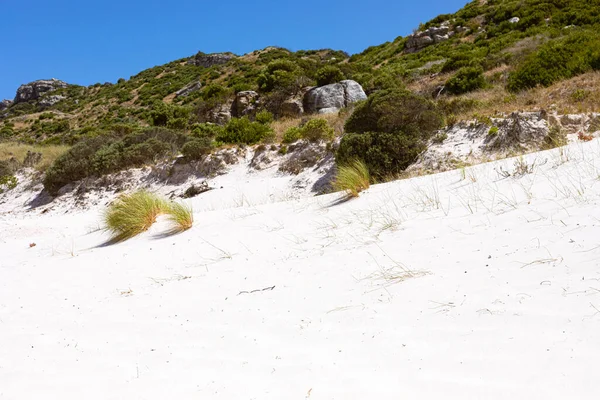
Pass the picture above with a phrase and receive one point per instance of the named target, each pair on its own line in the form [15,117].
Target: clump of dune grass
[132,214]
[352,178]
[181,216]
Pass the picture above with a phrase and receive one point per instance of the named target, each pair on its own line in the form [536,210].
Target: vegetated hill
[489,57]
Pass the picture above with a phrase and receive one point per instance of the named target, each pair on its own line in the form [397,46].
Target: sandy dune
[473,284]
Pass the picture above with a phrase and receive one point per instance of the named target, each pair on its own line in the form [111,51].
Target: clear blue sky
[85,42]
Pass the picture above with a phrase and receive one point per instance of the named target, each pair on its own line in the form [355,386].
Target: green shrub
[352,178]
[264,117]
[75,164]
[466,80]
[292,135]
[395,110]
[493,131]
[196,149]
[316,130]
[206,130]
[280,74]
[389,131]
[384,153]
[556,60]
[169,115]
[100,155]
[243,131]
[329,74]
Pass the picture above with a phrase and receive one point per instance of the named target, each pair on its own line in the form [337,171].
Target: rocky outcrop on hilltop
[433,35]
[331,98]
[209,60]
[34,90]
[4,104]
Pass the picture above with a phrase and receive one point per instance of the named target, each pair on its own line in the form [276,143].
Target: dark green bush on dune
[388,131]
[100,155]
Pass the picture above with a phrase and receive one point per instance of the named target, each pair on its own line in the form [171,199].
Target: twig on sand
[256,290]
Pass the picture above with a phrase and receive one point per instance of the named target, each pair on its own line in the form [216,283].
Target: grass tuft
[132,214]
[181,215]
[352,178]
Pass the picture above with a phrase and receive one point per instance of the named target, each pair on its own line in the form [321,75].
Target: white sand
[440,287]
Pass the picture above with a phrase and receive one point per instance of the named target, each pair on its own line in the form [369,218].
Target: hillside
[485,61]
[418,221]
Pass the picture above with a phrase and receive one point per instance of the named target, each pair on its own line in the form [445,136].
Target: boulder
[49,101]
[34,90]
[4,104]
[245,103]
[292,108]
[191,88]
[422,39]
[331,98]
[208,60]
[514,20]
[221,114]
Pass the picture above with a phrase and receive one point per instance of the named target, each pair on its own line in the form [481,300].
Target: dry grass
[580,94]
[133,214]
[19,152]
[352,178]
[181,215]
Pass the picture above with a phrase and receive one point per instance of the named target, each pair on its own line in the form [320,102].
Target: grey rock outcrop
[221,114]
[34,90]
[191,88]
[245,103]
[208,60]
[422,39]
[4,104]
[332,98]
[292,107]
[49,101]
[524,130]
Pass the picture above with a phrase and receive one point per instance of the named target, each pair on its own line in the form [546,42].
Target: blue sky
[85,42]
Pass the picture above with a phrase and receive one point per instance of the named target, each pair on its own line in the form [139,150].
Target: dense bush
[316,130]
[384,153]
[206,130]
[329,74]
[292,135]
[392,111]
[559,59]
[466,80]
[388,131]
[171,116]
[196,148]
[244,131]
[96,156]
[280,75]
